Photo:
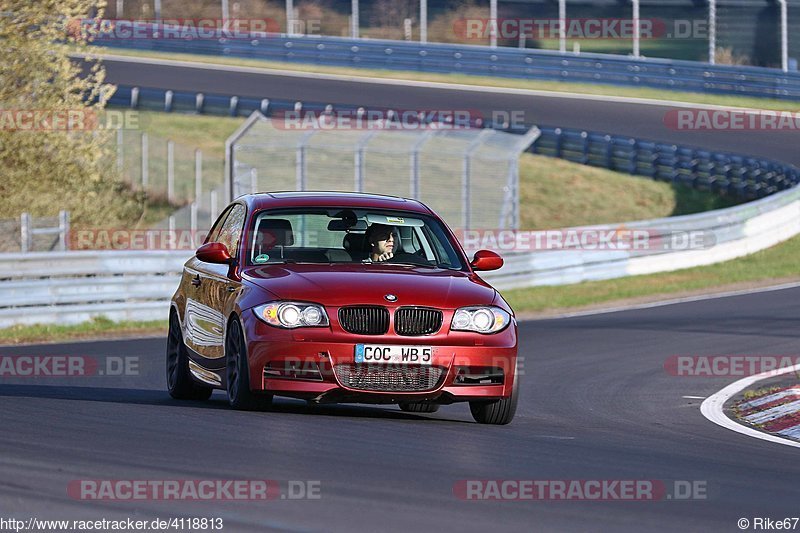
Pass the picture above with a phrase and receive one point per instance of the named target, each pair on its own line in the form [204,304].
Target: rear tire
[180,383]
[419,407]
[497,412]
[237,372]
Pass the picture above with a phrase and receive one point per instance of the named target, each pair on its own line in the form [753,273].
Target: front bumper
[308,349]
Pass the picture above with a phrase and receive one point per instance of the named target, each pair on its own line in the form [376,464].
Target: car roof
[269,200]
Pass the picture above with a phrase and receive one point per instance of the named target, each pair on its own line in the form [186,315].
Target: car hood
[337,285]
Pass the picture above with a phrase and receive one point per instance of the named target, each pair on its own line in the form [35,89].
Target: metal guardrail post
[199,102]
[168,96]
[63,230]
[170,172]
[25,237]
[135,98]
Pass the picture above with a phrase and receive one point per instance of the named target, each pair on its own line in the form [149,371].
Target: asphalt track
[644,121]
[596,403]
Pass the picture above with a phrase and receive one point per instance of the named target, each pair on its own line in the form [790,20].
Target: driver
[380,238]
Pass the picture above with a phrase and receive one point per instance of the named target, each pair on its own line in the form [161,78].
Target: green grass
[98,327]
[584,88]
[778,263]
[558,194]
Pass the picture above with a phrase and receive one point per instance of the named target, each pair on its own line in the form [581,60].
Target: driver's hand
[384,257]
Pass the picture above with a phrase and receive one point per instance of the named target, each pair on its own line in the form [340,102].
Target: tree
[54,153]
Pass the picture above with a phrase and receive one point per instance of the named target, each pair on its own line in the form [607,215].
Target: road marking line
[694,397]
[415,83]
[711,408]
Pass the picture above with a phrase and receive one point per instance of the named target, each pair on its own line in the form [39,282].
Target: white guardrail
[72,287]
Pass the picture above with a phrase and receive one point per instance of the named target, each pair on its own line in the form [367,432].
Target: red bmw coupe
[341,297]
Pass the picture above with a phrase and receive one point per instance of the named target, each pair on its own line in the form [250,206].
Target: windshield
[368,236]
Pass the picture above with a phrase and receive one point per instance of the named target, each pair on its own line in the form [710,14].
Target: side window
[213,233]
[231,230]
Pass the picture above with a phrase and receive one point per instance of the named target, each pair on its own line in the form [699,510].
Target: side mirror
[214,252]
[486,260]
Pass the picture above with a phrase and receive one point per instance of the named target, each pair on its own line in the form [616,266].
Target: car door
[212,294]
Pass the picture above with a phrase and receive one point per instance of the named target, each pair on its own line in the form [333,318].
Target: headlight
[292,314]
[483,319]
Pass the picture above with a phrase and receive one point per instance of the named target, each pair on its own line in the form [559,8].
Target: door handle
[196,280]
[231,288]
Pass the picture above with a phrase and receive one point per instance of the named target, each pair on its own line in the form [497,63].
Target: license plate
[389,354]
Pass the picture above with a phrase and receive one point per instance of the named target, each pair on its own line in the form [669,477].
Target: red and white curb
[777,412]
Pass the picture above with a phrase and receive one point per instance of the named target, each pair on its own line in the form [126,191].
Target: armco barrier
[71,287]
[732,174]
[486,61]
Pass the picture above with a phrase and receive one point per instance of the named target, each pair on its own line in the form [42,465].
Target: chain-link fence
[747,31]
[469,176]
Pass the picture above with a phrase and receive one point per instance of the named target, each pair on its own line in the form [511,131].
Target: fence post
[120,151]
[354,23]
[636,29]
[171,232]
[25,240]
[193,217]
[562,23]
[198,175]
[145,161]
[493,23]
[712,31]
[253,180]
[213,208]
[63,230]
[170,172]
[423,21]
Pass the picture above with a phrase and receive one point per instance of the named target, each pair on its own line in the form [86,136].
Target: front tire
[180,384]
[497,412]
[237,372]
[419,407]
